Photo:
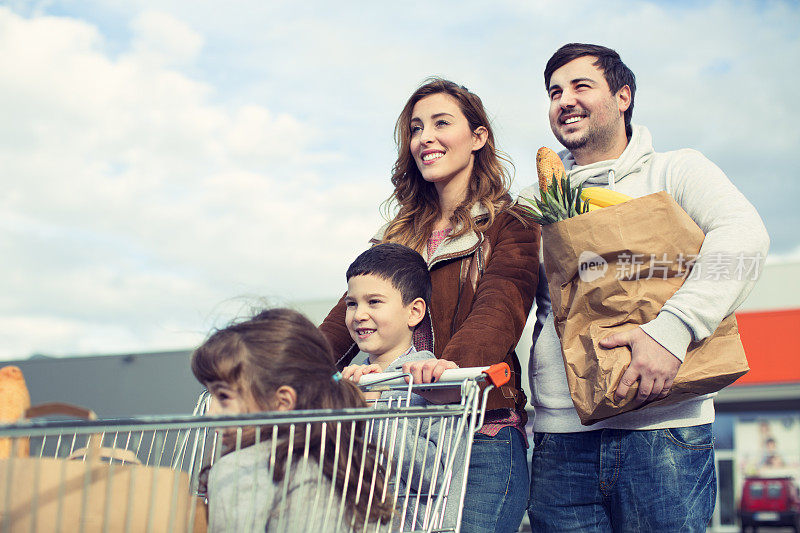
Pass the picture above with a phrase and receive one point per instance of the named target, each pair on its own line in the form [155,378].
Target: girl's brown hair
[282,347]
[418,200]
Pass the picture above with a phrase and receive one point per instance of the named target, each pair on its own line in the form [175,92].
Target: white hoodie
[732,228]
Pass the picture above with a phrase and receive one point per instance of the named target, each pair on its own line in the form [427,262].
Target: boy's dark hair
[616,73]
[401,266]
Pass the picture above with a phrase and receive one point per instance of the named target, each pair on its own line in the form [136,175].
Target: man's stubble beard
[597,137]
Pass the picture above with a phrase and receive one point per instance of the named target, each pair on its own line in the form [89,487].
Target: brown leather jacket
[483,289]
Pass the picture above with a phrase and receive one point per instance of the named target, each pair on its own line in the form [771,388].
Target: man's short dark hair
[616,73]
[401,266]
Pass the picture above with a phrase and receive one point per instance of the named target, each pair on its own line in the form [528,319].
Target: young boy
[388,291]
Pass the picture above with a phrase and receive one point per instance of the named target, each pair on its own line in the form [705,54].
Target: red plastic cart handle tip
[499,374]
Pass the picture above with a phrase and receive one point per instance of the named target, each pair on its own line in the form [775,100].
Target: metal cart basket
[147,473]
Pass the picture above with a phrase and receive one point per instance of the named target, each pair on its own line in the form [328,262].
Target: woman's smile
[429,157]
[442,142]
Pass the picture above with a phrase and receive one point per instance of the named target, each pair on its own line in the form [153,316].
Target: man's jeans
[617,480]
[497,484]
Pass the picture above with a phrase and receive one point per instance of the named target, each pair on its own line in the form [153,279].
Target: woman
[455,209]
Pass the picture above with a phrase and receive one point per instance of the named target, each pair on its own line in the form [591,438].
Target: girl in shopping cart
[278,361]
[451,189]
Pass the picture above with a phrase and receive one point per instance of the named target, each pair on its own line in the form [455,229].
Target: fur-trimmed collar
[450,248]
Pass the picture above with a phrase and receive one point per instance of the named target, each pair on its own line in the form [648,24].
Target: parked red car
[770,502]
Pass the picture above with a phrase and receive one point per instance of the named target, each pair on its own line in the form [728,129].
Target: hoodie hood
[636,154]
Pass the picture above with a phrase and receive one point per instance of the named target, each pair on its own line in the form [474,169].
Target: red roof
[772,344]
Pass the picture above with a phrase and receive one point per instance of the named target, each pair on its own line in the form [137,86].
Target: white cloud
[164,39]
[134,202]
[39,334]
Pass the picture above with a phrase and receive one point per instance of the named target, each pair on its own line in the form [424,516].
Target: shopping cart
[147,473]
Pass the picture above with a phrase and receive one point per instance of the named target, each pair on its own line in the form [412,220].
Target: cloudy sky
[165,164]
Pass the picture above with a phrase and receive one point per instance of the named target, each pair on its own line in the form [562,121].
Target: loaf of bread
[14,401]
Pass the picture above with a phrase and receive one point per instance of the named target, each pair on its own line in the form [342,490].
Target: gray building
[115,385]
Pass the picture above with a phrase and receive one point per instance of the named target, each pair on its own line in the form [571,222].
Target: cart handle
[497,375]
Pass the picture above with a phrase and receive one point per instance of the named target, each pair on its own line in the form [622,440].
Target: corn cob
[14,401]
[603,197]
[549,168]
[559,200]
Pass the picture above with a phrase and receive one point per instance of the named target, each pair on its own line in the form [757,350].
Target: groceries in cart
[14,401]
[77,473]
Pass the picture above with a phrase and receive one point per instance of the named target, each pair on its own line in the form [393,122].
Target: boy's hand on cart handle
[354,372]
[428,371]
[651,364]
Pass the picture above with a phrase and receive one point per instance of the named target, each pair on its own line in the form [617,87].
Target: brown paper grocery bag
[68,495]
[94,489]
[598,287]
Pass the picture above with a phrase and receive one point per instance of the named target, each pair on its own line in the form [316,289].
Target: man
[651,469]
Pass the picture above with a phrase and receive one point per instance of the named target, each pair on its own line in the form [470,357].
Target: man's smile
[572,118]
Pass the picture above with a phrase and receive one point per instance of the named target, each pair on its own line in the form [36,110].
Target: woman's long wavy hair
[418,200]
[282,347]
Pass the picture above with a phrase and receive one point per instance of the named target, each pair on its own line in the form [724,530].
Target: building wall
[115,386]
